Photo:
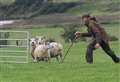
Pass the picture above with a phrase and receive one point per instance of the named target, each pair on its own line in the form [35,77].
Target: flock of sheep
[43,50]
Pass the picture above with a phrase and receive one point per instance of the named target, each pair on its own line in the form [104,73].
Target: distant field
[56,31]
[95,7]
[102,1]
[75,7]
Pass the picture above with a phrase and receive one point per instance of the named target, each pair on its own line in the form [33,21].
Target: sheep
[56,50]
[44,50]
[33,44]
[40,51]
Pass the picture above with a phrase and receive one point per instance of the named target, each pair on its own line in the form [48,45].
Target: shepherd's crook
[67,51]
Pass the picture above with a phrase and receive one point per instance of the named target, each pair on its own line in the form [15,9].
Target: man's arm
[79,34]
[86,35]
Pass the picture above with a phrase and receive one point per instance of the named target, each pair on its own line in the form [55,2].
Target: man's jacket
[95,31]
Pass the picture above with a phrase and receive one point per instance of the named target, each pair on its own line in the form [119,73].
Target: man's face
[85,20]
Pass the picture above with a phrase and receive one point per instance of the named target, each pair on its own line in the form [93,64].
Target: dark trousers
[105,46]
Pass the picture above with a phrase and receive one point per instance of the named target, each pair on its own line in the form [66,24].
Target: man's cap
[86,15]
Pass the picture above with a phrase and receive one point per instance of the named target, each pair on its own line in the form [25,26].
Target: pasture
[74,69]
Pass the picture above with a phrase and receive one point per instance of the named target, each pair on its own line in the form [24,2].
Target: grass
[74,69]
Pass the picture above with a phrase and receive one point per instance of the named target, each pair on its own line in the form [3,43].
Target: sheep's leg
[32,55]
[45,59]
[39,59]
[49,57]
[35,59]
[57,58]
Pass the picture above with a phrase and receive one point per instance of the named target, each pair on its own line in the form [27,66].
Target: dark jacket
[95,31]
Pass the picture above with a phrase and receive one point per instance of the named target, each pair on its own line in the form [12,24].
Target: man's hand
[97,45]
[77,35]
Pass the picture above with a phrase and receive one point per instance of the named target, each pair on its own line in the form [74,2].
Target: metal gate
[14,46]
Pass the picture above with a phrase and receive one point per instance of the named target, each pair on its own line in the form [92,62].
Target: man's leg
[89,53]
[105,46]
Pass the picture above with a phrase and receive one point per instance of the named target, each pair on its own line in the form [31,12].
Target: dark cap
[86,15]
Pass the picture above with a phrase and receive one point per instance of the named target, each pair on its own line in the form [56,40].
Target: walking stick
[67,51]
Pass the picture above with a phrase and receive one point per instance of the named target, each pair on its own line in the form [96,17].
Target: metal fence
[17,48]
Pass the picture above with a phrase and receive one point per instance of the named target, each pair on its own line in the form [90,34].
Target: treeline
[32,8]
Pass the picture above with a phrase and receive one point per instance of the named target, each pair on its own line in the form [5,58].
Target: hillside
[34,8]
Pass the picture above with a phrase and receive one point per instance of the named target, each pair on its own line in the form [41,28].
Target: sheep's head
[33,42]
[41,40]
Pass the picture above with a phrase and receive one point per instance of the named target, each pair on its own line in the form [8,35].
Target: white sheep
[56,50]
[42,50]
[33,44]
[39,51]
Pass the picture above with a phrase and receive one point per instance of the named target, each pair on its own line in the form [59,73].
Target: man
[100,39]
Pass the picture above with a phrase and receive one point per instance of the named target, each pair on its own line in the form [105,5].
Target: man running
[100,39]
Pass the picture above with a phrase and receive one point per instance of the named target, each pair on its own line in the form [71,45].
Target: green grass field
[74,69]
